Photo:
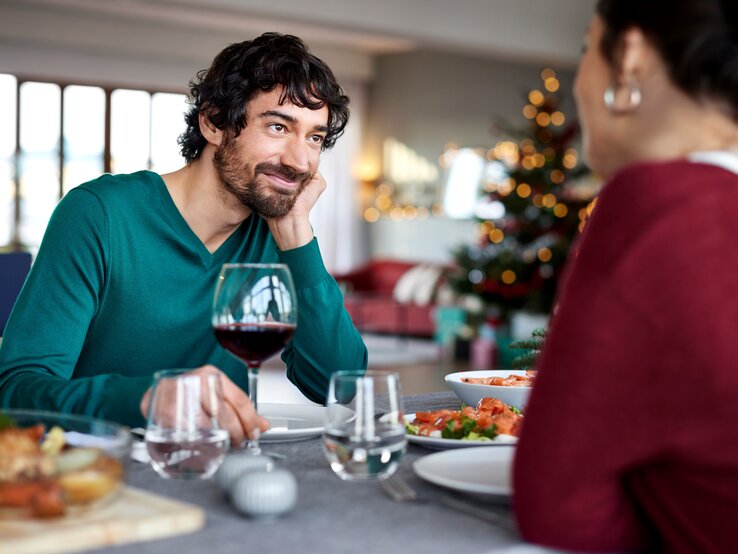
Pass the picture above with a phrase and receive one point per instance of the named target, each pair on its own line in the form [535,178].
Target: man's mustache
[283,171]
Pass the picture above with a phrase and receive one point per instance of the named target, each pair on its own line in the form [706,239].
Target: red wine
[254,342]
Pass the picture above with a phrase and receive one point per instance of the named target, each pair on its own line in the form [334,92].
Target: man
[124,279]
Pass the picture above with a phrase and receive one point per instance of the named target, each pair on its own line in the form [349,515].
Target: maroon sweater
[630,440]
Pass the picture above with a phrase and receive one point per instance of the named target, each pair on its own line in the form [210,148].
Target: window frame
[15,243]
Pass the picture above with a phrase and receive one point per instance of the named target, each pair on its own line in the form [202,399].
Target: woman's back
[637,386]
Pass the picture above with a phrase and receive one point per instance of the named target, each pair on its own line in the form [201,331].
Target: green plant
[532,346]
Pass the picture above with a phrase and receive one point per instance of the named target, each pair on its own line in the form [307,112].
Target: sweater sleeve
[47,328]
[326,340]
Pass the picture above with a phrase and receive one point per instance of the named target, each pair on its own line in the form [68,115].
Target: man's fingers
[237,415]
[230,420]
[242,407]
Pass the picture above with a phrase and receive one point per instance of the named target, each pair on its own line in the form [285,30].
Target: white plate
[483,471]
[439,443]
[291,422]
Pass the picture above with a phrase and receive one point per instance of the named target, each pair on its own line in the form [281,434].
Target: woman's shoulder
[671,177]
[645,209]
[644,192]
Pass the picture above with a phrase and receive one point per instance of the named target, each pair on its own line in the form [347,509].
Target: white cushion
[405,286]
[417,285]
[426,285]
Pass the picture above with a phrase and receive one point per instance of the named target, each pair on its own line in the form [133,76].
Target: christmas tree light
[529,217]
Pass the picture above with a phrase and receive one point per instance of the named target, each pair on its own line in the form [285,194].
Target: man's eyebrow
[289,119]
[281,115]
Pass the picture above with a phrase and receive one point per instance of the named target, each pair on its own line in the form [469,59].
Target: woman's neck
[679,127]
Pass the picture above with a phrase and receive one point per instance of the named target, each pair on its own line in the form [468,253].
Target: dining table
[333,515]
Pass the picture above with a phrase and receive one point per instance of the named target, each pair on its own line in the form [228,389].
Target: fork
[400,490]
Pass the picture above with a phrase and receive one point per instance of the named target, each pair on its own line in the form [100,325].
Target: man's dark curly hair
[244,69]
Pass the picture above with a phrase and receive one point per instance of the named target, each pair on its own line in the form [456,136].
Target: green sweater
[122,287]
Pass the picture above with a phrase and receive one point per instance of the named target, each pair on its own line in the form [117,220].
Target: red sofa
[370,301]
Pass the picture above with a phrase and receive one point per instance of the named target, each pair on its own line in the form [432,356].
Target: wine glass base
[244,449]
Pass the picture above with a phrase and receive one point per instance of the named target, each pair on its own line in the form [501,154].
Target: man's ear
[211,133]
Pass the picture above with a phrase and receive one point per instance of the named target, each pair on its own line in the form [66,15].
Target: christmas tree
[532,208]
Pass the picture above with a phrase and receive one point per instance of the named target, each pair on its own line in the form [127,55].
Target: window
[462,185]
[8,115]
[84,135]
[53,137]
[129,130]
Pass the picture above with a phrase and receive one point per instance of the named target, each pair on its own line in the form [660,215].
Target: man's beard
[239,180]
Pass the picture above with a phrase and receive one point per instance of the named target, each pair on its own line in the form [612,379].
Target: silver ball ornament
[237,464]
[265,494]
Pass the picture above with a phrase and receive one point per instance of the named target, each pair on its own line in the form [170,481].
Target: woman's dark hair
[244,69]
[697,39]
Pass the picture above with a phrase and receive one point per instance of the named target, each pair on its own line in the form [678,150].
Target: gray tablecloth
[332,515]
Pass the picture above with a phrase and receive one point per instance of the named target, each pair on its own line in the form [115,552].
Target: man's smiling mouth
[281,181]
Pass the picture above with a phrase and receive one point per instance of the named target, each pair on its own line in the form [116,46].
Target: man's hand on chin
[293,230]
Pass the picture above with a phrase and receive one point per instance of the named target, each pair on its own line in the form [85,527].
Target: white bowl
[470,394]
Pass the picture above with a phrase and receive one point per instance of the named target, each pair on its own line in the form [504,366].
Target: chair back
[14,268]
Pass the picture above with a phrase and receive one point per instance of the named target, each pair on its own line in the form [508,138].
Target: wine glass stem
[253,443]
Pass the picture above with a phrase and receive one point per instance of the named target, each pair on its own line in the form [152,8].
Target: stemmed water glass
[254,316]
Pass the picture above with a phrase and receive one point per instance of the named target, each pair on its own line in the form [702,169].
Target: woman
[630,440]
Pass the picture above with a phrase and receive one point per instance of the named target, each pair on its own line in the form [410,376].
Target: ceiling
[524,30]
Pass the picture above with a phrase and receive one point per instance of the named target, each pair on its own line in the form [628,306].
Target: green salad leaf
[468,430]
[411,429]
[7,422]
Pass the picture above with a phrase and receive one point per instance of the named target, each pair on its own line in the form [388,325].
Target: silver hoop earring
[634,98]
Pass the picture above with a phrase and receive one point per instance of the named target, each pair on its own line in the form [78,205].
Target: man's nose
[297,155]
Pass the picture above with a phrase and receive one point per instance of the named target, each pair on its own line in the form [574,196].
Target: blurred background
[453,196]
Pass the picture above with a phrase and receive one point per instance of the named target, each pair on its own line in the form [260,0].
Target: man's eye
[277,127]
[318,139]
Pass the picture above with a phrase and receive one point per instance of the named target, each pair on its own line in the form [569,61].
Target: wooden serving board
[133,517]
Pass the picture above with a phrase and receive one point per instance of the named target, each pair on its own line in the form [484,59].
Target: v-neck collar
[178,222]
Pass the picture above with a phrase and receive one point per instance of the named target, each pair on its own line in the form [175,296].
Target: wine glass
[184,436]
[254,316]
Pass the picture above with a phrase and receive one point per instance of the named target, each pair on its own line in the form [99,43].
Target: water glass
[184,436]
[364,436]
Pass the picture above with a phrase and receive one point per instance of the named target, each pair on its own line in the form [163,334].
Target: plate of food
[54,465]
[490,423]
[479,471]
[509,385]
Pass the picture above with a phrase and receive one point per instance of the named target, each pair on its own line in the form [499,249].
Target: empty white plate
[291,422]
[482,471]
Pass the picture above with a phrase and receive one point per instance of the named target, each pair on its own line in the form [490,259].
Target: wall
[429,99]
[431,240]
